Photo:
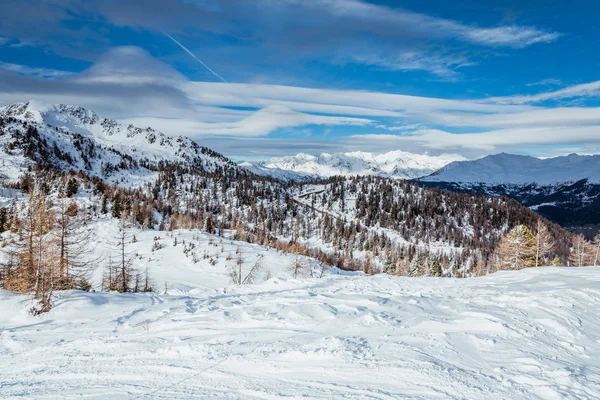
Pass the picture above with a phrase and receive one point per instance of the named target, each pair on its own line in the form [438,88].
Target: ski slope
[530,334]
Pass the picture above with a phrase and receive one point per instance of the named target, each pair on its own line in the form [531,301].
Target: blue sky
[261,78]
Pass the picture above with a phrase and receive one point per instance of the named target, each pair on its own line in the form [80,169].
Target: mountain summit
[71,137]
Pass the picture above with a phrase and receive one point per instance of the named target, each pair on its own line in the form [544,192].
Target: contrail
[196,58]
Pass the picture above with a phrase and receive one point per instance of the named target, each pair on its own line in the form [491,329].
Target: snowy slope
[395,164]
[92,141]
[191,260]
[515,169]
[529,334]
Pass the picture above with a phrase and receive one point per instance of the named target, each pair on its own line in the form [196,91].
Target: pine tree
[104,208]
[435,269]
[117,209]
[416,265]
[209,225]
[72,187]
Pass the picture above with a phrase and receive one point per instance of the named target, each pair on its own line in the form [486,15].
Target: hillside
[368,223]
[514,335]
[394,164]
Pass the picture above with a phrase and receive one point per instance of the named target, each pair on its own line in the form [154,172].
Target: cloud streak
[34,71]
[591,89]
[391,19]
[194,57]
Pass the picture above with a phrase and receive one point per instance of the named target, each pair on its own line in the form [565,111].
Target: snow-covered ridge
[516,169]
[277,173]
[394,164]
[73,128]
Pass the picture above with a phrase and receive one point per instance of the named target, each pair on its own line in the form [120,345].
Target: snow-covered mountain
[563,189]
[394,164]
[284,175]
[70,137]
[516,169]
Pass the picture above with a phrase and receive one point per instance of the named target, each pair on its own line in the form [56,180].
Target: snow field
[530,334]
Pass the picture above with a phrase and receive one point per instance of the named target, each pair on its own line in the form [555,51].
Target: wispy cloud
[546,82]
[34,71]
[379,17]
[260,123]
[591,89]
[487,141]
[510,36]
[443,66]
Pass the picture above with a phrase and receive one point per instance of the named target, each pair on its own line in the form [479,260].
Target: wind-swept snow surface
[530,334]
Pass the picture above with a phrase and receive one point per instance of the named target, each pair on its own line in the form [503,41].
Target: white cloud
[444,66]
[259,123]
[350,102]
[540,117]
[489,140]
[129,65]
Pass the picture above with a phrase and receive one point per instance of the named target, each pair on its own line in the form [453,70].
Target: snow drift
[530,334]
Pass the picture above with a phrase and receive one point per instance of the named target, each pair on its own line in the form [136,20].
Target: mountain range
[394,164]
[564,189]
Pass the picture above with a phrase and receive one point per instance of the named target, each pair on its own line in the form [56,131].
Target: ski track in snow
[530,334]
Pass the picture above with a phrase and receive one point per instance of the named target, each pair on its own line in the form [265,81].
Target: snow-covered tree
[596,244]
[581,252]
[544,243]
[517,249]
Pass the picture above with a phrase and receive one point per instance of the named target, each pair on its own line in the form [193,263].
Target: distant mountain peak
[395,164]
[505,168]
